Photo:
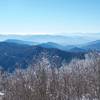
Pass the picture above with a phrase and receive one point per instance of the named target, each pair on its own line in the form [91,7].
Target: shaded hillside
[77,49]
[20,42]
[51,45]
[95,45]
[13,55]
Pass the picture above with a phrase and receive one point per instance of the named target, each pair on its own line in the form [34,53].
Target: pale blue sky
[49,16]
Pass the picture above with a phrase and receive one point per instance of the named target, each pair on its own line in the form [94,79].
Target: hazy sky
[49,16]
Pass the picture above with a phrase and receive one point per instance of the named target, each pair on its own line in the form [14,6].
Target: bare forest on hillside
[78,80]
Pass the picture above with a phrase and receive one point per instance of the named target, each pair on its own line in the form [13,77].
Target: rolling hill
[12,55]
[20,42]
[95,45]
[77,49]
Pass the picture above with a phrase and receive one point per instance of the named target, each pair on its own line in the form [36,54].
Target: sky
[50,17]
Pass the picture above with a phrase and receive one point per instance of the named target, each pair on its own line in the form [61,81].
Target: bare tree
[78,80]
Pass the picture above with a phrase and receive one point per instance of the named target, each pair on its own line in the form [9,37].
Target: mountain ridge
[25,55]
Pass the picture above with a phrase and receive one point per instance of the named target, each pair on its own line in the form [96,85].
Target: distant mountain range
[59,39]
[51,45]
[14,54]
[95,45]
[90,46]
[20,42]
[77,49]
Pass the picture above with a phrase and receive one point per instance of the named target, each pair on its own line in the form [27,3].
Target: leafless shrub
[75,81]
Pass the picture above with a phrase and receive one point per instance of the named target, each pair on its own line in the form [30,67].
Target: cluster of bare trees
[79,80]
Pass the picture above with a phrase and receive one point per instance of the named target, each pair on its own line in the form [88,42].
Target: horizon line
[54,34]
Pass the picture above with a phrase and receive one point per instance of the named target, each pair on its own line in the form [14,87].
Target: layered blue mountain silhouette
[12,55]
[23,52]
[59,39]
[95,45]
[20,42]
